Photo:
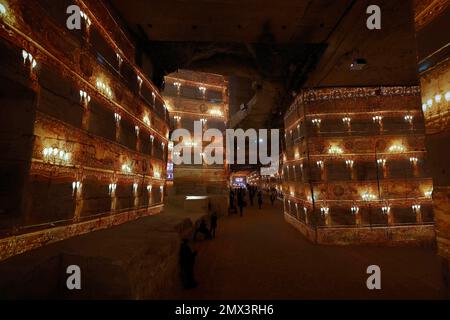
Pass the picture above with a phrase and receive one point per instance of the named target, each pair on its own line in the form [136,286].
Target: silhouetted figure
[203,228]
[232,198]
[251,194]
[241,203]
[273,197]
[260,199]
[187,261]
[213,224]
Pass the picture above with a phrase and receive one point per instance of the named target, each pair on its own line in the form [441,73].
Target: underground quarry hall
[224,150]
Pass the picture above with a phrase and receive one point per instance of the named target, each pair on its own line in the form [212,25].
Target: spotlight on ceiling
[358,64]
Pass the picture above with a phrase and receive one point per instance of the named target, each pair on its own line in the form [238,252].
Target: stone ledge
[415,235]
[22,243]
[136,260]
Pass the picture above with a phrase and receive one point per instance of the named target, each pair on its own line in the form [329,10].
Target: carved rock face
[86,65]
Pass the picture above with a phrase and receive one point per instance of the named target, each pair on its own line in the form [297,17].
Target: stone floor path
[260,256]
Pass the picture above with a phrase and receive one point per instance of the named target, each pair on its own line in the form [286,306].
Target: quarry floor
[260,256]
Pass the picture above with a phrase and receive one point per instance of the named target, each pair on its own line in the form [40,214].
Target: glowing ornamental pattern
[126,168]
[186,146]
[104,88]
[215,112]
[409,118]
[397,148]
[56,156]
[335,150]
[146,120]
[438,99]
[368,196]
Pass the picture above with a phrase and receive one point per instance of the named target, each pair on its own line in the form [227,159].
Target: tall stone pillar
[358,218]
[390,216]
[150,196]
[86,116]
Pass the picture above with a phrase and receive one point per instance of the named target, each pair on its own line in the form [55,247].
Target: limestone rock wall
[85,132]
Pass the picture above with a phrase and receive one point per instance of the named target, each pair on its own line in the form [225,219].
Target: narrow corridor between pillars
[260,256]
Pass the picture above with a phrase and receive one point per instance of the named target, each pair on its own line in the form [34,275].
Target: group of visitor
[238,196]
[187,255]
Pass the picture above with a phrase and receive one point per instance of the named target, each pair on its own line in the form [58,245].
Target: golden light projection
[408,118]
[146,120]
[28,58]
[349,163]
[216,113]
[354,209]
[126,168]
[119,60]
[202,90]
[140,82]
[85,98]
[335,150]
[2,10]
[386,209]
[86,18]
[367,196]
[397,148]
[377,119]
[104,89]
[76,188]
[436,100]
[66,153]
[112,189]
[56,156]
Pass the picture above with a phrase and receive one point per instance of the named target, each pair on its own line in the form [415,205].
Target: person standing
[203,229]
[232,207]
[187,261]
[251,194]
[241,203]
[273,197]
